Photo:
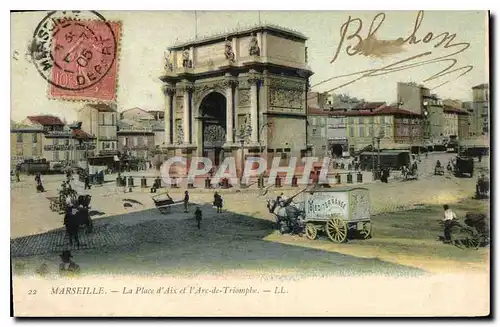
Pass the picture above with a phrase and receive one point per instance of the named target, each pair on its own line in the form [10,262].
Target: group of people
[218,203]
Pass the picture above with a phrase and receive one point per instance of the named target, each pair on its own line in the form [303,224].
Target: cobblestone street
[57,241]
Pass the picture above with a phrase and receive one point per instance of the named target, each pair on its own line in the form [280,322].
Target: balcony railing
[64,147]
[108,152]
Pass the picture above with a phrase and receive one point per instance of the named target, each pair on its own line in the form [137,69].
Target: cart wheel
[366,232]
[336,229]
[311,231]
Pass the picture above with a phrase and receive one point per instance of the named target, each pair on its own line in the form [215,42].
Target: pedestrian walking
[218,202]
[87,181]
[449,217]
[186,201]
[17,176]
[198,216]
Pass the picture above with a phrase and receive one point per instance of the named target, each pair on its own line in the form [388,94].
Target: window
[125,141]
[313,120]
[351,120]
[361,131]
[351,131]
[112,119]
[361,120]
[19,151]
[35,138]
[19,137]
[314,131]
[34,151]
[136,141]
[101,119]
[56,155]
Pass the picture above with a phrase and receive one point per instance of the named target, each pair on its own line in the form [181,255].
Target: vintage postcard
[250,163]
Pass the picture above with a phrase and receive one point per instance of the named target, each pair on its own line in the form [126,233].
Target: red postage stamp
[85,60]
[78,55]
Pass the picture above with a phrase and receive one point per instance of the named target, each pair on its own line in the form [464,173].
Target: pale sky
[146,35]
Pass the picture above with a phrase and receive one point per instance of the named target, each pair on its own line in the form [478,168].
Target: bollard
[130,181]
[277,182]
[349,178]
[158,182]
[260,181]
[144,182]
[207,182]
[225,183]
[190,185]
[359,177]
[342,166]
[338,178]
[294,181]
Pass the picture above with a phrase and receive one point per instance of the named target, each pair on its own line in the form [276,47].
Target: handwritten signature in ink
[372,47]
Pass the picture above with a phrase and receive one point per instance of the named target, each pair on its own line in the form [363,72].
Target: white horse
[291,213]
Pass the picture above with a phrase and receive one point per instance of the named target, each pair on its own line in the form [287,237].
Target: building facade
[25,142]
[243,89]
[480,106]
[456,122]
[135,139]
[327,133]
[68,146]
[100,122]
[395,128]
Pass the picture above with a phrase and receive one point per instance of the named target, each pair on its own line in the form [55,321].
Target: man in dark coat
[186,201]
[218,202]
[87,181]
[198,217]
[71,221]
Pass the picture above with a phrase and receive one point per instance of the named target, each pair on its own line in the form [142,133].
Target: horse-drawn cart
[339,212]
[164,202]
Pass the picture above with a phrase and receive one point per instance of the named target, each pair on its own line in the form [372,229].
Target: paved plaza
[404,216]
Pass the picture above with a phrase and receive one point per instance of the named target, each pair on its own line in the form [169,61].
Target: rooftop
[46,120]
[102,107]
[235,32]
[481,86]
[382,111]
[450,109]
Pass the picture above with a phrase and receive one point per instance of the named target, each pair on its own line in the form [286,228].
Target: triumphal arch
[240,90]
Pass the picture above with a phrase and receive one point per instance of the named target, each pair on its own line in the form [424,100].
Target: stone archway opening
[337,150]
[213,115]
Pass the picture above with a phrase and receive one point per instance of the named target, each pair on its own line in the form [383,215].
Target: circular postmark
[73,50]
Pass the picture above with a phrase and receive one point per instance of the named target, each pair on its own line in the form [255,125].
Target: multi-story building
[68,145]
[136,139]
[25,142]
[327,132]
[467,106]
[100,121]
[49,123]
[396,128]
[455,122]
[432,110]
[137,114]
[480,106]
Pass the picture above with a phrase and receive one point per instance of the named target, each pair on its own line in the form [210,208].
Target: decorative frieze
[286,98]
[288,84]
